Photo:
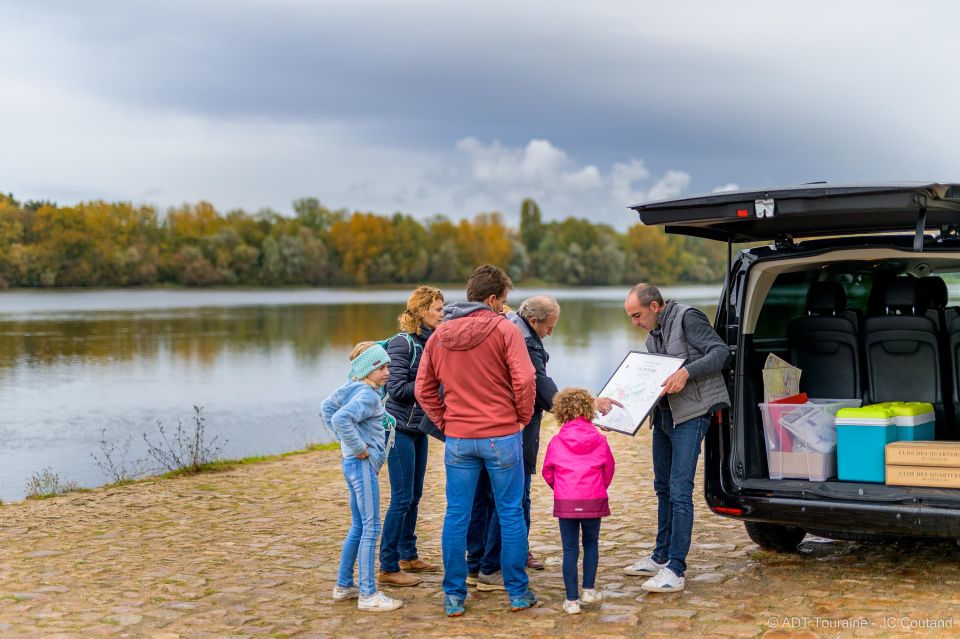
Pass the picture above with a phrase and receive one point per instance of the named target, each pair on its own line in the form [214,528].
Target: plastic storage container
[915,421]
[862,435]
[801,439]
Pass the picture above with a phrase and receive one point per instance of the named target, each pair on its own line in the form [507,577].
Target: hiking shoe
[472,578]
[590,596]
[452,606]
[524,601]
[533,563]
[399,579]
[345,592]
[489,583]
[378,602]
[664,581]
[646,567]
[571,607]
[418,565]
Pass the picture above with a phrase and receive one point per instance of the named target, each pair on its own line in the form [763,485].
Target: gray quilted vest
[699,395]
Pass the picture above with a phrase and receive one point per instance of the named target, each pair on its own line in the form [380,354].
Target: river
[76,366]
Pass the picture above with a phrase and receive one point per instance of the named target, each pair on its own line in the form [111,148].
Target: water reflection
[259,371]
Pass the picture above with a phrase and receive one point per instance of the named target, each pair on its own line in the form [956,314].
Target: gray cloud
[256,103]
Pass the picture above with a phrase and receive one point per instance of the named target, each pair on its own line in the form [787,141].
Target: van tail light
[743,213]
[722,510]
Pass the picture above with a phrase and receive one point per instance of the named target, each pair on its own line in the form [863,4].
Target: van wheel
[774,536]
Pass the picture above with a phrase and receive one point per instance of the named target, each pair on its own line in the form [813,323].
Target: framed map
[636,384]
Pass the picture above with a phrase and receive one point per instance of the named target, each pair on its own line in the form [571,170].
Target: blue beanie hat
[368,361]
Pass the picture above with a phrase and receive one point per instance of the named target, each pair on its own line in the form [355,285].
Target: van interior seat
[824,344]
[902,349]
[935,290]
[938,297]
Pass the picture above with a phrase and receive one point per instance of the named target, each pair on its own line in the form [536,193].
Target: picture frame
[637,384]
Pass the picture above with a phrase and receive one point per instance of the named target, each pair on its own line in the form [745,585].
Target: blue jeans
[407,464]
[483,534]
[675,453]
[360,545]
[503,459]
[570,539]
[526,500]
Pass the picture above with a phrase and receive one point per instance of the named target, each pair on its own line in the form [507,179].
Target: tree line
[107,244]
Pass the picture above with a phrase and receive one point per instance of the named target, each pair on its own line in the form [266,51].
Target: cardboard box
[924,476]
[811,466]
[916,453]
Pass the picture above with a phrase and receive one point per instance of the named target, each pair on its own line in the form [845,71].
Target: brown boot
[418,565]
[399,579]
[533,563]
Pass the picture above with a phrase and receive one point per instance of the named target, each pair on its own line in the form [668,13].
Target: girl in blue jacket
[355,412]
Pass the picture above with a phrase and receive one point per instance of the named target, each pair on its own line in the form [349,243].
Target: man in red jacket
[480,359]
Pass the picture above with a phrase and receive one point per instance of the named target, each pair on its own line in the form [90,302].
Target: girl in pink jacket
[579,467]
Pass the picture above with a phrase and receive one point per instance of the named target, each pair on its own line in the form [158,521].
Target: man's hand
[364,454]
[675,383]
[605,404]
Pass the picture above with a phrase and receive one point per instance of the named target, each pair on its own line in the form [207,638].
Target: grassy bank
[217,466]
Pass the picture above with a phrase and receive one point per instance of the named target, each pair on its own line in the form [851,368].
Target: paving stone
[254,552]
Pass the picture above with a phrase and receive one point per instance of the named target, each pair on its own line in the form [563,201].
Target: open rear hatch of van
[805,211]
[781,215]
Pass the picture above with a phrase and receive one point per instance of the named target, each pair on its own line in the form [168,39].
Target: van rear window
[788,297]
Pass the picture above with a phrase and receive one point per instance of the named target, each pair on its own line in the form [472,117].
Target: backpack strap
[412,345]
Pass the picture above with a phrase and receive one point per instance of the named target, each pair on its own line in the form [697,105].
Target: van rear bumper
[913,520]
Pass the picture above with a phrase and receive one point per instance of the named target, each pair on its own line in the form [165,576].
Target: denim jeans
[503,459]
[527,477]
[570,539]
[483,534]
[675,453]
[360,545]
[407,464]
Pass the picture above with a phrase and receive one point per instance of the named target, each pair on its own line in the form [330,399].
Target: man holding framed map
[685,358]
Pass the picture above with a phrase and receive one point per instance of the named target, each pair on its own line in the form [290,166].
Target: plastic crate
[801,439]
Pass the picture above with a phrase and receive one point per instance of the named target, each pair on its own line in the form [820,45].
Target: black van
[849,286]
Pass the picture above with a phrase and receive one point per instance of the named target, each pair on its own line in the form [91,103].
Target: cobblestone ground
[252,553]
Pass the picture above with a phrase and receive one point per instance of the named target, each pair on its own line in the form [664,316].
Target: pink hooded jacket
[579,467]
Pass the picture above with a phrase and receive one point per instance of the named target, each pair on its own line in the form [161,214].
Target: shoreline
[217,466]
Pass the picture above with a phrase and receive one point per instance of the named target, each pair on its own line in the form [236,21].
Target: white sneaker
[571,607]
[664,581]
[348,592]
[590,596]
[646,567]
[378,602]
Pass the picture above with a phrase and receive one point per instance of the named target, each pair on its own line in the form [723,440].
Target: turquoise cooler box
[915,421]
[862,436]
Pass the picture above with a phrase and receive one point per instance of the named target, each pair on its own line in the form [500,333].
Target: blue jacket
[401,402]
[546,389]
[354,412]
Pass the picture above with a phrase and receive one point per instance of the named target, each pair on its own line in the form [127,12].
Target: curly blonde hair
[571,403]
[420,300]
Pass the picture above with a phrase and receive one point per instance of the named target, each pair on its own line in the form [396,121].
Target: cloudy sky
[459,107]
